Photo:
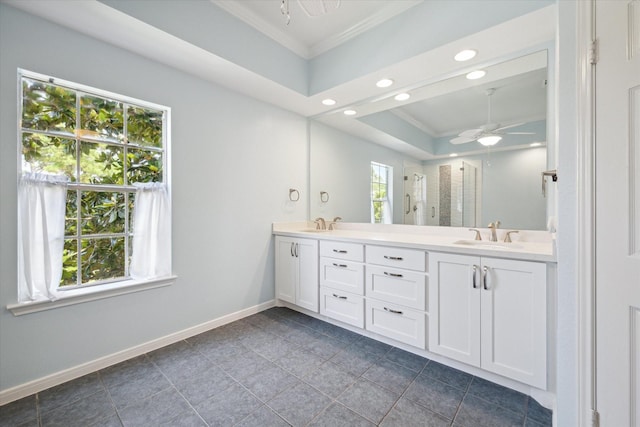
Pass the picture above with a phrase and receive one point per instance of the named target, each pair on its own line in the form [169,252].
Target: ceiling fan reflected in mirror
[490,133]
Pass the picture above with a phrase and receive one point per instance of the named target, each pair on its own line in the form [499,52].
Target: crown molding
[391,10]
[236,9]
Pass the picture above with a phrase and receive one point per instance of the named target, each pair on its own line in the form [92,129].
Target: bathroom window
[93,198]
[381,193]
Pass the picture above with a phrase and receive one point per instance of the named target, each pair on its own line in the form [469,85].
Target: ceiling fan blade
[471,133]
[461,140]
[508,127]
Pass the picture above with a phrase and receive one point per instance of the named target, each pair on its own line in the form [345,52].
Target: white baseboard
[40,384]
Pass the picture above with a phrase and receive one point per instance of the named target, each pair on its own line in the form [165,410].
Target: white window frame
[117,286]
[388,200]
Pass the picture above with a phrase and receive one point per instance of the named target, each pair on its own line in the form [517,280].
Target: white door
[286,267]
[454,307]
[514,320]
[618,213]
[306,252]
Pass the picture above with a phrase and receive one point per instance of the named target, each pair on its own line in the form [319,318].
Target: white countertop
[527,245]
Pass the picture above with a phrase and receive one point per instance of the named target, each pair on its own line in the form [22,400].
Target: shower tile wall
[445,195]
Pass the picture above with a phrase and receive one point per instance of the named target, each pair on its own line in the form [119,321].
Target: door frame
[586,218]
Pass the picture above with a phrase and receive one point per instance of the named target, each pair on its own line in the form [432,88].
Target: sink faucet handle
[320,223]
[507,237]
[478,236]
[333,223]
[498,224]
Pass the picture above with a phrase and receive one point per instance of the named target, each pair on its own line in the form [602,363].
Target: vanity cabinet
[297,271]
[342,281]
[396,285]
[490,313]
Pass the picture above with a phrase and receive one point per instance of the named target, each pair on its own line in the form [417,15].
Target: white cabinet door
[297,271]
[514,320]
[454,307]
[491,313]
[286,270]
[306,251]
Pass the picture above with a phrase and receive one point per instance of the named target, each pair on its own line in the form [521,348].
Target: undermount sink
[488,244]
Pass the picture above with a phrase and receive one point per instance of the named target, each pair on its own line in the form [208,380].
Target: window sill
[79,296]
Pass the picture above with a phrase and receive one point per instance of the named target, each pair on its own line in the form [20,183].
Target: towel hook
[294,195]
[324,196]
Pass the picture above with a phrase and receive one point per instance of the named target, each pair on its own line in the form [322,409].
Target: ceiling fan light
[489,140]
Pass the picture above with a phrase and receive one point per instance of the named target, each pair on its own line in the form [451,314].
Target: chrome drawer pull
[393,258]
[339,296]
[392,274]
[340,265]
[339,251]
[392,311]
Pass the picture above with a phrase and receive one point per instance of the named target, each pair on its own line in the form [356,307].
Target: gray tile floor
[277,368]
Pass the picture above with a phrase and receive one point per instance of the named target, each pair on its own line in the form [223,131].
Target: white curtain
[151,251]
[387,216]
[41,224]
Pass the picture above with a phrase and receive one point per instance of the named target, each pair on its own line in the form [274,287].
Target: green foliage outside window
[94,141]
[379,186]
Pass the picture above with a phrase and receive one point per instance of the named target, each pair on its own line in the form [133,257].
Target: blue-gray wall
[233,161]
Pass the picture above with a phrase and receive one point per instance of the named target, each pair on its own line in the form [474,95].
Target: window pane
[375,190]
[102,212]
[103,117]
[69,263]
[144,127]
[71,214]
[102,259]
[101,164]
[42,153]
[144,166]
[48,107]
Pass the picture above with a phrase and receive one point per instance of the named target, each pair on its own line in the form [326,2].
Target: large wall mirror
[427,167]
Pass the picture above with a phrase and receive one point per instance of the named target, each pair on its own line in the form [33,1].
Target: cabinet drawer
[342,275]
[411,259]
[342,250]
[342,306]
[402,287]
[396,322]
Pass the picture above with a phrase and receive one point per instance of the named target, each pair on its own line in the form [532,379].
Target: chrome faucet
[493,227]
[333,223]
[320,224]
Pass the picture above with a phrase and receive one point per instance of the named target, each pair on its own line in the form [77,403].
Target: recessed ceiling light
[384,83]
[489,140]
[350,112]
[402,97]
[535,144]
[329,101]
[465,55]
[453,155]
[477,74]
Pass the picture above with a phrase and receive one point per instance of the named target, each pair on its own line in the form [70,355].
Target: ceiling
[309,36]
[155,33]
[517,100]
